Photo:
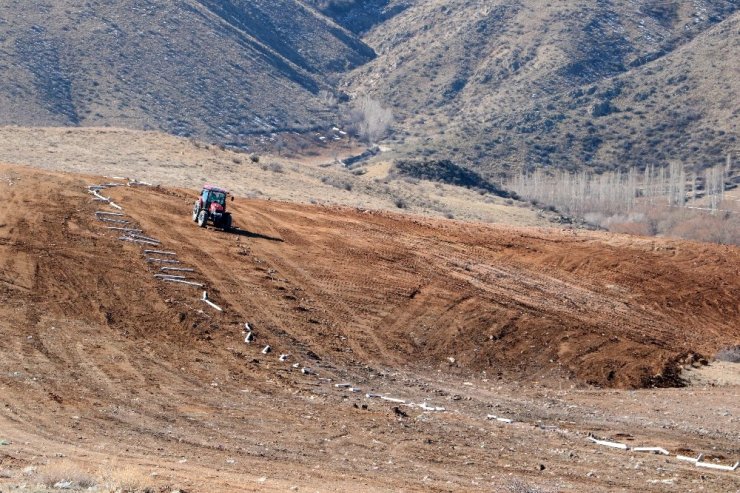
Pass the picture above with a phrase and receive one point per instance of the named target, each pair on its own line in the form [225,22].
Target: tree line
[621,192]
[666,200]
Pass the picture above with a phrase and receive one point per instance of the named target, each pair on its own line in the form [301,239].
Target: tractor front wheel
[196,210]
[203,218]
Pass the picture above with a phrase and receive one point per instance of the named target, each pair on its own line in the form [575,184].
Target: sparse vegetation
[275,167]
[203,64]
[445,171]
[400,202]
[336,182]
[152,157]
[624,101]
[65,474]
[360,15]
[729,354]
[127,480]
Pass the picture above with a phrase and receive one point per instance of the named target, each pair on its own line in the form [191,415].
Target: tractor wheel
[203,218]
[227,223]
[196,210]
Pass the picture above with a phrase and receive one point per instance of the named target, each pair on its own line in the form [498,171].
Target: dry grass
[118,478]
[65,471]
[163,159]
[71,474]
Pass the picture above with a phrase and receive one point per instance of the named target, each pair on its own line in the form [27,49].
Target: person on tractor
[211,205]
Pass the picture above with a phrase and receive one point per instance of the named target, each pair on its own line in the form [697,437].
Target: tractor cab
[212,196]
[211,205]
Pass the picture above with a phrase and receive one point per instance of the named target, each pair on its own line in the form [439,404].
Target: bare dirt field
[129,383]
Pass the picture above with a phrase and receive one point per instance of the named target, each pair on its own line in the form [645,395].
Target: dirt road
[106,367]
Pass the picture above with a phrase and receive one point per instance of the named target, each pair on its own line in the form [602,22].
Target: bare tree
[328,98]
[649,202]
[676,185]
[714,186]
[611,193]
[370,119]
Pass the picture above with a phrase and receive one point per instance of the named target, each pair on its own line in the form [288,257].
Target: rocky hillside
[361,15]
[501,85]
[216,70]
[497,86]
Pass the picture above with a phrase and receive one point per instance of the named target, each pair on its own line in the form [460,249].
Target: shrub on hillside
[335,182]
[445,171]
[274,167]
[729,354]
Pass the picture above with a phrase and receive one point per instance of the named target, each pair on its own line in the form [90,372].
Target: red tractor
[211,205]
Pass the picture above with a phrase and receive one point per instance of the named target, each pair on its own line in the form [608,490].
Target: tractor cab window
[205,196]
[218,197]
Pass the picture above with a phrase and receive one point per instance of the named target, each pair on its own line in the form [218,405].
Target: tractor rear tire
[196,211]
[203,218]
[227,223]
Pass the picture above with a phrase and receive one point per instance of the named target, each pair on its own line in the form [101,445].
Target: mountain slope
[216,70]
[496,85]
[359,16]
[502,84]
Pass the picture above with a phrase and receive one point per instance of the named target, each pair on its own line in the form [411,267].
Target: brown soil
[103,363]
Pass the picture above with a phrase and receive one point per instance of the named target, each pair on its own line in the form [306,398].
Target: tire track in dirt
[313,280]
[152,377]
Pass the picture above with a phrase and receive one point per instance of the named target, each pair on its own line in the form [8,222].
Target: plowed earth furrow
[101,362]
